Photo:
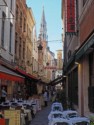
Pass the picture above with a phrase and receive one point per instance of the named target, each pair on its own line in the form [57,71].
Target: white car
[56,106]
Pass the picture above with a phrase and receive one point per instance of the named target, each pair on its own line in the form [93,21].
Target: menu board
[13,116]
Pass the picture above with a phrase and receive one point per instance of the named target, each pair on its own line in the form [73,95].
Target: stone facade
[7,43]
[86,20]
[29,41]
[79,60]
[35,53]
[20,33]
[7,30]
[86,24]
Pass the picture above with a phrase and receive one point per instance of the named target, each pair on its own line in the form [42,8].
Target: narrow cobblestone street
[41,117]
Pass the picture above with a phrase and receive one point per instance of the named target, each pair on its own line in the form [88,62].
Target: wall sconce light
[64,76]
[76,63]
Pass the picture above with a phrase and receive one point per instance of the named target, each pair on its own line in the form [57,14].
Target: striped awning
[8,74]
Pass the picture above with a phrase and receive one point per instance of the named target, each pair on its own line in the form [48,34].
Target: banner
[70,16]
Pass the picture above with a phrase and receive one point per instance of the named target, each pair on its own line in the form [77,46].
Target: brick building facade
[79,63]
[20,33]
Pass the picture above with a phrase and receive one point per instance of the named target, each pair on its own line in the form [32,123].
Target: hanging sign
[70,16]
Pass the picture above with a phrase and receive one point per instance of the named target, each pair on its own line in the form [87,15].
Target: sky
[52,9]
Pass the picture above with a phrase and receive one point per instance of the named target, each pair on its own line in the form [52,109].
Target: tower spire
[43,16]
[43,28]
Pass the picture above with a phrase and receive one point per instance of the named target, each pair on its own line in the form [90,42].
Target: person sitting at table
[1,114]
[45,98]
[3,94]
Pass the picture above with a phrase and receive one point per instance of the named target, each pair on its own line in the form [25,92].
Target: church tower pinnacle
[43,28]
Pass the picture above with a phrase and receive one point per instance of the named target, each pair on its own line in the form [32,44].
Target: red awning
[7,74]
[26,74]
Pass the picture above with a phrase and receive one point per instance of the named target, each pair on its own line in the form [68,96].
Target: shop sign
[70,13]
[13,116]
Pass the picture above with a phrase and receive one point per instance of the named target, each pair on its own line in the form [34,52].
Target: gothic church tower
[43,29]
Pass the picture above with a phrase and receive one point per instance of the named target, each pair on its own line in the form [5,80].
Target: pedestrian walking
[45,96]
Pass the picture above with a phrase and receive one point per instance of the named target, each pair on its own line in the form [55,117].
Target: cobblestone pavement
[41,117]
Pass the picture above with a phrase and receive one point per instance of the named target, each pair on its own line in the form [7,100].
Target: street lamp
[64,76]
[76,63]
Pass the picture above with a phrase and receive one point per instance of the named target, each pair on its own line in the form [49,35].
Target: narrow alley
[41,117]
[46,56]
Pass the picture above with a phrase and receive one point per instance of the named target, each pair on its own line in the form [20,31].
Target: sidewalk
[41,117]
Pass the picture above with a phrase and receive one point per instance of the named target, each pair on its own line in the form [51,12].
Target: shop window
[23,50]
[10,42]
[21,19]
[11,4]
[16,35]
[3,29]
[91,83]
[91,98]
[24,25]
[73,87]
[17,9]
[20,49]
